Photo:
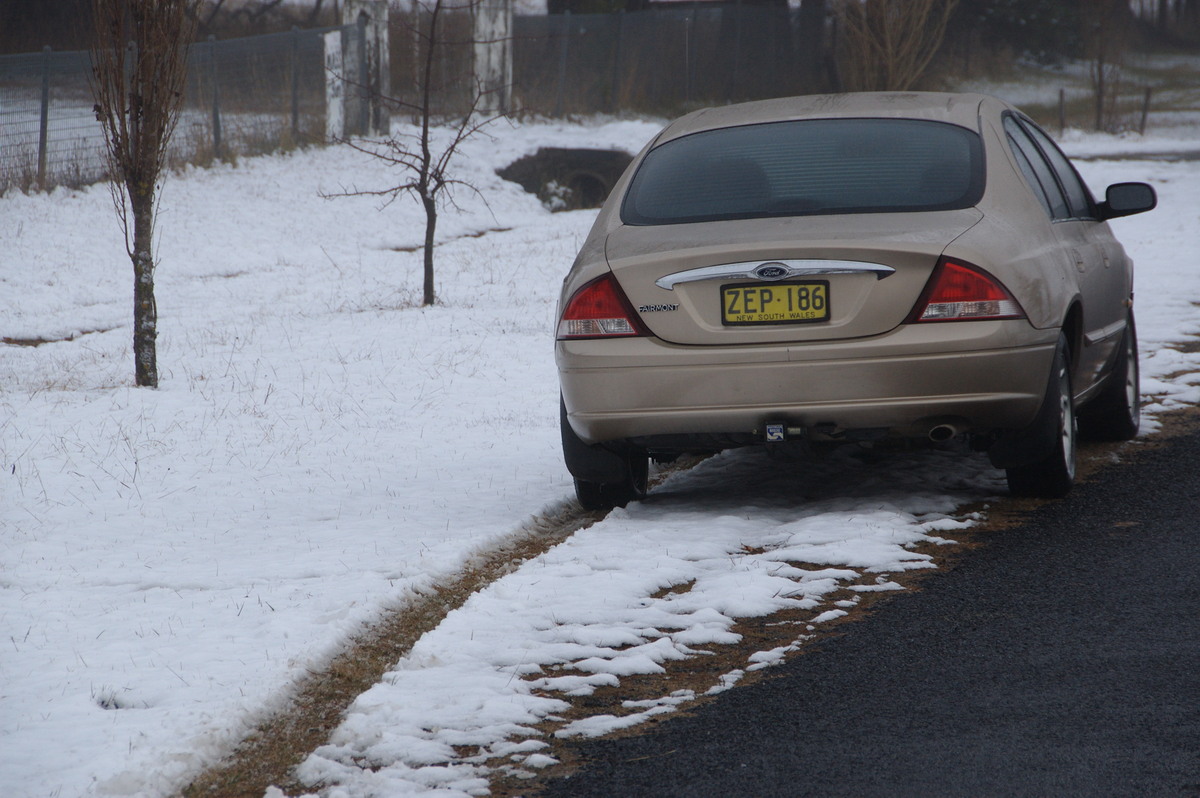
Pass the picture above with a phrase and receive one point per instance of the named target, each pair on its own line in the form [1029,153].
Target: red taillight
[599,310]
[958,292]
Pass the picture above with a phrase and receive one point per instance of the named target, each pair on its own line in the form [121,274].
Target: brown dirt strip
[315,707]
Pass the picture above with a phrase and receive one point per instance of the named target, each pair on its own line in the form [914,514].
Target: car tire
[1052,476]
[1115,415]
[607,495]
[606,476]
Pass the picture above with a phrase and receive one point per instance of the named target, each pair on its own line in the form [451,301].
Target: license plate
[777,303]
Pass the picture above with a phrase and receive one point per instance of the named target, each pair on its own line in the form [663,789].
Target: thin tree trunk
[426,187]
[145,310]
[425,164]
[430,204]
[139,65]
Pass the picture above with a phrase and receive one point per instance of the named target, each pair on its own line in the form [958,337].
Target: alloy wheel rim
[1067,427]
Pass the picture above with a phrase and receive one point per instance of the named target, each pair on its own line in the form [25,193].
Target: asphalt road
[1062,659]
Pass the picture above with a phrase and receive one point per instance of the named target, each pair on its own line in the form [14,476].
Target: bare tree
[424,156]
[1106,27]
[139,63]
[888,44]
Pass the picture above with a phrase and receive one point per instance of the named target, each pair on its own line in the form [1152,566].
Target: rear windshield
[806,167]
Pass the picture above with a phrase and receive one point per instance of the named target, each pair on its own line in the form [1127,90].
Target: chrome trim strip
[1105,333]
[794,268]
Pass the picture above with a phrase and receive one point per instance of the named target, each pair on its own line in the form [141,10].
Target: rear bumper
[978,376]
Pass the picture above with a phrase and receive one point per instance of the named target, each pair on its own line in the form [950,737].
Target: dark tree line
[1170,15]
[29,25]
[1045,29]
[1052,30]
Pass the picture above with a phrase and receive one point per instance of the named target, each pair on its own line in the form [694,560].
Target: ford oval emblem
[771,271]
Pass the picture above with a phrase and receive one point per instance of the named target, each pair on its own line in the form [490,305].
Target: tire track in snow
[315,707]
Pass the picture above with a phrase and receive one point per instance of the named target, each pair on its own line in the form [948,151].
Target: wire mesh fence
[262,93]
[450,71]
[253,95]
[659,60]
[242,96]
[47,126]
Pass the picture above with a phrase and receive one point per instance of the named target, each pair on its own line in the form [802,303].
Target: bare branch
[890,43]
[425,157]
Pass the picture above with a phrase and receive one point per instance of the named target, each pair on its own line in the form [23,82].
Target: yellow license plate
[777,303]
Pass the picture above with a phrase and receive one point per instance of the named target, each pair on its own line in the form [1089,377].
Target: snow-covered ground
[321,446]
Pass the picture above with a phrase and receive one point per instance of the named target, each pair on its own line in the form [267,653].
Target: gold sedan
[855,267]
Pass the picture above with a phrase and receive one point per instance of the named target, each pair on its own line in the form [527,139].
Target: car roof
[959,109]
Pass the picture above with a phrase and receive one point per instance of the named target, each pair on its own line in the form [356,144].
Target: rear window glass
[806,167]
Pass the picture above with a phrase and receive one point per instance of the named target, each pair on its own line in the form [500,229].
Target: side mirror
[1126,199]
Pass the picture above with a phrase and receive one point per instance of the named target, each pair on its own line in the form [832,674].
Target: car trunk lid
[781,280]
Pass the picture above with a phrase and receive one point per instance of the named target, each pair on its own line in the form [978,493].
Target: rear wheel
[606,476]
[1115,415]
[606,495]
[1053,475]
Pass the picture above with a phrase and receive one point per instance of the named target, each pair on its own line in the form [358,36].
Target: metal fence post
[364,77]
[216,95]
[44,123]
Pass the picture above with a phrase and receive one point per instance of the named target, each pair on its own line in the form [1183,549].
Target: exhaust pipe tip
[943,432]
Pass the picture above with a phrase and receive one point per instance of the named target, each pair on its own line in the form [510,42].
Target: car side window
[1043,174]
[1078,197]
[1030,176]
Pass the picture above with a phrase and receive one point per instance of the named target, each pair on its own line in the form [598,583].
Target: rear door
[1102,269]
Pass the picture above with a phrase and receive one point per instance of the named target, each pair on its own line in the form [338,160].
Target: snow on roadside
[600,607]
[320,446]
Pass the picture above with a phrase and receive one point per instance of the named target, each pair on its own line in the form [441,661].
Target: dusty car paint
[694,378]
